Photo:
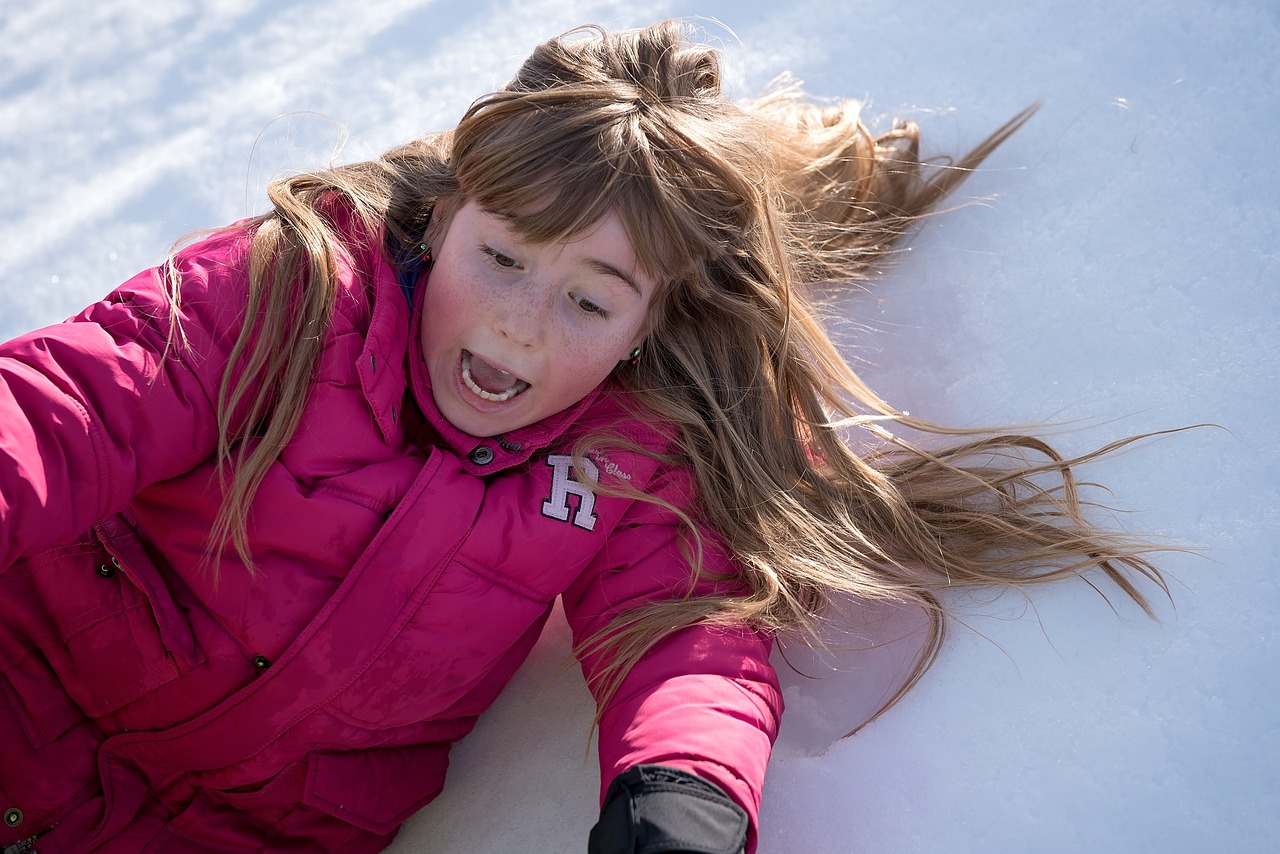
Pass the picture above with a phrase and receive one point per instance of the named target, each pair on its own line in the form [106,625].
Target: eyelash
[496,258]
[495,255]
[595,310]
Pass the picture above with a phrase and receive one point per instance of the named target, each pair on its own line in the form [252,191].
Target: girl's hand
[650,808]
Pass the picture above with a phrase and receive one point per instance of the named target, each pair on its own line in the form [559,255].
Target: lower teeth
[488,395]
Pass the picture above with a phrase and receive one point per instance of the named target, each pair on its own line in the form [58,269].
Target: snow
[1117,272]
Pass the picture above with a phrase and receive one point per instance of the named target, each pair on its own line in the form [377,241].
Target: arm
[97,407]
[704,701]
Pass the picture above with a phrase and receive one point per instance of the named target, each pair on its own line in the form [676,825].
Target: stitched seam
[503,581]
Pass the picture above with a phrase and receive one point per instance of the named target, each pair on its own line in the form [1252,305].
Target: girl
[280,518]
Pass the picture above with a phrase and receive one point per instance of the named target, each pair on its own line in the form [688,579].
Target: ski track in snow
[1118,272]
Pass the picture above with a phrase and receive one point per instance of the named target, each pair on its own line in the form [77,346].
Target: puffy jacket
[404,572]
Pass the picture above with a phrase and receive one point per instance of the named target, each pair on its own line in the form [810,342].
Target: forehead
[549,211]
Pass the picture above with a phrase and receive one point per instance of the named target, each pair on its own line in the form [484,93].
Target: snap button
[12,817]
[481,455]
[261,663]
[106,570]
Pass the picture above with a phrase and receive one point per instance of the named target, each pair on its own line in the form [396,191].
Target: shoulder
[215,270]
[214,267]
[633,449]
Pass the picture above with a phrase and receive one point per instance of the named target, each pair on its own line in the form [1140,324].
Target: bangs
[555,167]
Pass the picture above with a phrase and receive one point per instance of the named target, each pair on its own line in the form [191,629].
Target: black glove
[653,809]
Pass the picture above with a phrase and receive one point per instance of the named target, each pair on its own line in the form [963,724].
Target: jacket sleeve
[705,700]
[97,407]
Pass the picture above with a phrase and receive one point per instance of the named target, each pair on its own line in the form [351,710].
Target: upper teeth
[515,389]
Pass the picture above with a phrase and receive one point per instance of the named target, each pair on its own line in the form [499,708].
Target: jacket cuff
[653,809]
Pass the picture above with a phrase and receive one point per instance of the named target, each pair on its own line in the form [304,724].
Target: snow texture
[1118,271]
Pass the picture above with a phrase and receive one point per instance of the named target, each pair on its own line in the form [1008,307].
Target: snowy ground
[1122,276]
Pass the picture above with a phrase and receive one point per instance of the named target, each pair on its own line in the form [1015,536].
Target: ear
[441,216]
[646,329]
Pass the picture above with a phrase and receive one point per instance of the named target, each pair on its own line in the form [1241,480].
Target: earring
[633,359]
[424,252]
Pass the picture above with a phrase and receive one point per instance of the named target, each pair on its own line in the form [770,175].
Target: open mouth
[489,382]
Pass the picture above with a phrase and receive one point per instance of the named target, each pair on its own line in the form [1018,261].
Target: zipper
[26,846]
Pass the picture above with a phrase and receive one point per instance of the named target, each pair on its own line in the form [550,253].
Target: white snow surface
[1119,272]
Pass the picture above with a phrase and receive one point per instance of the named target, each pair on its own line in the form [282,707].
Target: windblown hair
[740,212]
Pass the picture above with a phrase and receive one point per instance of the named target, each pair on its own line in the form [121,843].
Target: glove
[653,809]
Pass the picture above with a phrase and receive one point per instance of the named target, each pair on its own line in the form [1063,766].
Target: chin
[481,425]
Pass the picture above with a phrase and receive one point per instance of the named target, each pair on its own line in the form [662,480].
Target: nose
[521,317]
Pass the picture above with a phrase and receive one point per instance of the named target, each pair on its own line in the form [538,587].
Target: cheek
[594,356]
[614,340]
[591,356]
[443,311]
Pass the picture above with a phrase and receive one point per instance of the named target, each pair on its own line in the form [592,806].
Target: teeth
[520,385]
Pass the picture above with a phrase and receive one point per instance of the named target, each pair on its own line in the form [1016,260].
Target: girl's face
[513,332]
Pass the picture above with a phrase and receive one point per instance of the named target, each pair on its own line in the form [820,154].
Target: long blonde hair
[741,211]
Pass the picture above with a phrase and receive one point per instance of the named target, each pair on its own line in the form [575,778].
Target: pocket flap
[120,540]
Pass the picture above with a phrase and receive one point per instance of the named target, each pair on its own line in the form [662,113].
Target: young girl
[280,518]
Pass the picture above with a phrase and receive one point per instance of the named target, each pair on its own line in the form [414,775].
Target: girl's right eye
[498,258]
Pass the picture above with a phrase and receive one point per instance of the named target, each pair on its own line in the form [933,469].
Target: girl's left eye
[587,306]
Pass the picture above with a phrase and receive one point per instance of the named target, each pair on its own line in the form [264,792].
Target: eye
[587,306]
[500,260]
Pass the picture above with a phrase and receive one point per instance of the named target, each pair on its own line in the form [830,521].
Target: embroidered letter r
[563,483]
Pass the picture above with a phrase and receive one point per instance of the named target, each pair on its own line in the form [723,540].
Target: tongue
[489,378]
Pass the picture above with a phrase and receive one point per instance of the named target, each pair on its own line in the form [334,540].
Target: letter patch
[562,484]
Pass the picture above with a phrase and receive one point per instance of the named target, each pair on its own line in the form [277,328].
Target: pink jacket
[406,569]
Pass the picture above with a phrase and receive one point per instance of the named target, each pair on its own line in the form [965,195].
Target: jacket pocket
[41,708]
[108,626]
[48,749]
[376,789]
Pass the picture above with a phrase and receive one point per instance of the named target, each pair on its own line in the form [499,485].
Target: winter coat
[404,572]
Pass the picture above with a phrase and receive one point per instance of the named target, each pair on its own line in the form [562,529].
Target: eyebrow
[606,269]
